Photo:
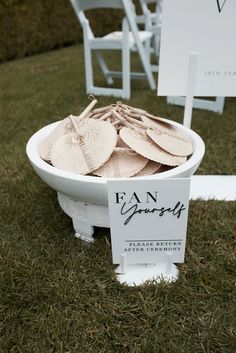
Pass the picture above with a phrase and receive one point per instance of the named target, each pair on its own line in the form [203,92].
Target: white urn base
[84,216]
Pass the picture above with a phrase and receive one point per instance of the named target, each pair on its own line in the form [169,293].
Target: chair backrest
[83,5]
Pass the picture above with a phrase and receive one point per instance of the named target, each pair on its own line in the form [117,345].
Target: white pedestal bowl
[84,198]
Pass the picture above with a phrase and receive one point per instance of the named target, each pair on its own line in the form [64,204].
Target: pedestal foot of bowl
[84,216]
[83,231]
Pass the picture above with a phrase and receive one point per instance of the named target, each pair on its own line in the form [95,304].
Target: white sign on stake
[207,27]
[148,219]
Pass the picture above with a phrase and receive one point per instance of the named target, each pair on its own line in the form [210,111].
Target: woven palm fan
[123,163]
[162,126]
[63,128]
[86,149]
[173,144]
[150,168]
[142,144]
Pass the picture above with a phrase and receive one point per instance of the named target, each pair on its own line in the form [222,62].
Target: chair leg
[104,68]
[126,61]
[147,47]
[156,51]
[126,73]
[88,66]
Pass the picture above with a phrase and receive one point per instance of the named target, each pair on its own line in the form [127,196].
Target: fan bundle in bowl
[76,157]
[115,141]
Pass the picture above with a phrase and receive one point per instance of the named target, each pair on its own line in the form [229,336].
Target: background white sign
[207,27]
[148,219]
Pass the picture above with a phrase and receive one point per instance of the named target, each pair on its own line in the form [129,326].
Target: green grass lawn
[60,295]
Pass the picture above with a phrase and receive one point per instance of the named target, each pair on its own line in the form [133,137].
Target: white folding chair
[152,21]
[126,40]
